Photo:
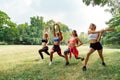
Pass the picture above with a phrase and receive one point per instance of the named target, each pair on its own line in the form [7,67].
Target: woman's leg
[66,52]
[75,52]
[61,55]
[40,52]
[87,58]
[100,52]
[79,58]
[46,50]
[59,52]
[51,56]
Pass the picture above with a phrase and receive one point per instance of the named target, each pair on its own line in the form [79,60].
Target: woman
[44,44]
[94,38]
[57,39]
[73,43]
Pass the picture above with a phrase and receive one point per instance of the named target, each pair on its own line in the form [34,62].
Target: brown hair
[92,25]
[75,33]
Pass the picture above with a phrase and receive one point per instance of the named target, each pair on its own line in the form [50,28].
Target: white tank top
[92,36]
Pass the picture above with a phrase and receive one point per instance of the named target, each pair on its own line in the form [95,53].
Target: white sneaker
[50,63]
[43,59]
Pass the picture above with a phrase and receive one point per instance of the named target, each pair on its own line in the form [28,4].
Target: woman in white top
[94,38]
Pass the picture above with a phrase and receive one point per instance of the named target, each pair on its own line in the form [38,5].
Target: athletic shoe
[82,59]
[50,63]
[84,68]
[67,63]
[103,64]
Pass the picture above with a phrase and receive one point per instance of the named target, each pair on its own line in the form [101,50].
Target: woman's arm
[54,33]
[99,36]
[59,29]
[61,37]
[48,41]
[94,32]
[109,29]
[79,42]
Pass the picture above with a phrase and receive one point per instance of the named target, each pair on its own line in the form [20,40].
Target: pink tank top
[72,40]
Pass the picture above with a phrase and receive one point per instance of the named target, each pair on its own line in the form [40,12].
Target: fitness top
[44,40]
[92,36]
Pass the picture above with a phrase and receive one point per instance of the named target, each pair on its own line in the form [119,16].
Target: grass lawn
[22,62]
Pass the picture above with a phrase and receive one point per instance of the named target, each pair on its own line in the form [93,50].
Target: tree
[114,36]
[7,28]
[22,33]
[83,37]
[12,33]
[114,9]
[114,5]
[4,18]
[36,30]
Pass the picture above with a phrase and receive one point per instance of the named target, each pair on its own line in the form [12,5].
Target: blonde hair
[92,26]
[46,35]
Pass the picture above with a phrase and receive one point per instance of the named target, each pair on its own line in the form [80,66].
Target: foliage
[96,2]
[114,9]
[25,33]
[114,5]
[4,18]
[7,28]
[83,37]
[113,37]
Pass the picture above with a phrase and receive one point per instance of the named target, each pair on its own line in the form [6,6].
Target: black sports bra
[44,40]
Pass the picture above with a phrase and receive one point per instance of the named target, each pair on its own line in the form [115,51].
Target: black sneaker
[67,63]
[82,59]
[84,68]
[103,64]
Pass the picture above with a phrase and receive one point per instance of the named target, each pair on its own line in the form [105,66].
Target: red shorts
[74,51]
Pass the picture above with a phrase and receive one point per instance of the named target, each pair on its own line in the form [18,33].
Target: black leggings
[45,49]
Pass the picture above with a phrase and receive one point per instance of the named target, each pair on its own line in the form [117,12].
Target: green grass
[22,62]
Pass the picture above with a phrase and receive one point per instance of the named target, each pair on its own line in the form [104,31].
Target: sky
[73,13]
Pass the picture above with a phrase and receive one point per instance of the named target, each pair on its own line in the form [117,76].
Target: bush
[3,43]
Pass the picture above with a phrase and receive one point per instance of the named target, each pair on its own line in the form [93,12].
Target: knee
[39,51]
[76,57]
[60,54]
[51,53]
[65,52]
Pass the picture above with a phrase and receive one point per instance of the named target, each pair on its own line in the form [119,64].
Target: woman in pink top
[73,43]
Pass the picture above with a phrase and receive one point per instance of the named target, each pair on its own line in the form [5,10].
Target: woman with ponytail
[57,39]
[73,43]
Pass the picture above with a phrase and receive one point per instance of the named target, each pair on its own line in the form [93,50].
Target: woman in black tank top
[44,45]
